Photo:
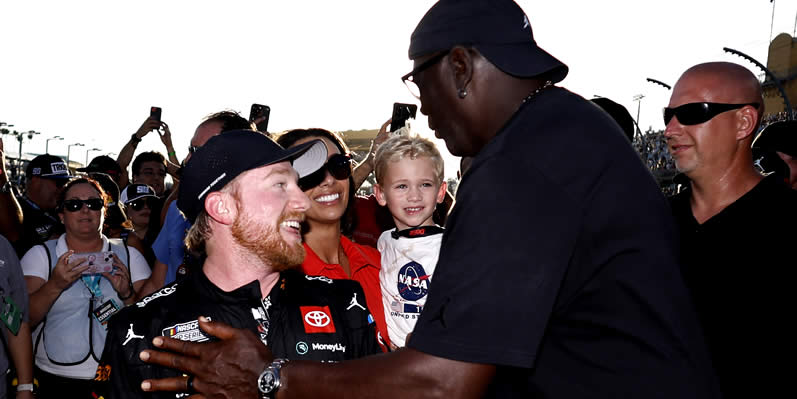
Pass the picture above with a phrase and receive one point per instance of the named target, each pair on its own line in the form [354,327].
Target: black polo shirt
[559,266]
[739,266]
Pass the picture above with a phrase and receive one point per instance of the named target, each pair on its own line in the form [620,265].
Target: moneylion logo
[301,348]
[329,347]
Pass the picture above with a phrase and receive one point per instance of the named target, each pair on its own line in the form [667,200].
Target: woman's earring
[462,93]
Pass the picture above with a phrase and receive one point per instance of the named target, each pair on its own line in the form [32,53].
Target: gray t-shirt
[12,284]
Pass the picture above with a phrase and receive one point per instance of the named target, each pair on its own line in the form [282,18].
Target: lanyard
[93,284]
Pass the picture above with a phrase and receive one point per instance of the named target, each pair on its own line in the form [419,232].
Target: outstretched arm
[231,366]
[126,153]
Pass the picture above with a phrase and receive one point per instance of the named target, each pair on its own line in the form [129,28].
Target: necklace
[544,86]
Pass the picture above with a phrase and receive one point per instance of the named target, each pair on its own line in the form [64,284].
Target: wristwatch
[25,387]
[269,380]
[135,139]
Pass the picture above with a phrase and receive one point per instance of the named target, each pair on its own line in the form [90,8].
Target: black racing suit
[302,318]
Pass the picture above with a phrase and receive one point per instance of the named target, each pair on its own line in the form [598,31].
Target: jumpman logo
[353,303]
[131,335]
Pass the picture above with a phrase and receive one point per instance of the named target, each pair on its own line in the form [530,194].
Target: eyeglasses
[697,113]
[74,205]
[409,79]
[139,204]
[338,166]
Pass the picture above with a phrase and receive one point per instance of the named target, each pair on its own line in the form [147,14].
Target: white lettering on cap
[58,167]
[37,171]
[211,185]
[142,189]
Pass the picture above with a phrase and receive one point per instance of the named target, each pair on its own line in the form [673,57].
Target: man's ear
[460,60]
[746,122]
[380,195]
[441,193]
[220,207]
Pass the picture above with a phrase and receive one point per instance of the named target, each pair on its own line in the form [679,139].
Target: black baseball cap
[778,136]
[103,164]
[497,28]
[135,191]
[229,154]
[47,166]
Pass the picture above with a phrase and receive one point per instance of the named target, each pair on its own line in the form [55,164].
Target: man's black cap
[47,166]
[497,28]
[103,164]
[778,136]
[229,154]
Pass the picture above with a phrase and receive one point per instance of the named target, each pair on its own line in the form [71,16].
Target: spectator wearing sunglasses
[329,220]
[67,343]
[737,228]
[139,200]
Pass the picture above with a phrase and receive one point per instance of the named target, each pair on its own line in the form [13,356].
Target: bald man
[736,227]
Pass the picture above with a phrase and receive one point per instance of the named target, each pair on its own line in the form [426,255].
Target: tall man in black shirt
[737,228]
[546,284]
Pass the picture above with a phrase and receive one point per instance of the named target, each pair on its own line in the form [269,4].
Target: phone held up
[402,112]
[155,113]
[98,262]
[260,111]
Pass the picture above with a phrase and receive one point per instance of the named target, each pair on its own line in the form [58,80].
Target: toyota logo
[316,318]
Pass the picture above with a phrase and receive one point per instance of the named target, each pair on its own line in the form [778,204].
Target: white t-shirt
[405,277]
[35,264]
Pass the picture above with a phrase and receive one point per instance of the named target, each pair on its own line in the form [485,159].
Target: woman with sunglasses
[67,343]
[139,200]
[329,221]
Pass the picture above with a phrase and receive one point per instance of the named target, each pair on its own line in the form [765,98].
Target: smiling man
[737,228]
[241,192]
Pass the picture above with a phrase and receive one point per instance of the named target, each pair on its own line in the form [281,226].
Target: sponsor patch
[103,372]
[165,291]
[319,278]
[317,319]
[58,168]
[329,347]
[142,190]
[302,348]
[188,331]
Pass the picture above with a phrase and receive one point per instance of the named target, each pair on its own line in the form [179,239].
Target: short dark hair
[81,180]
[149,156]
[229,120]
[289,138]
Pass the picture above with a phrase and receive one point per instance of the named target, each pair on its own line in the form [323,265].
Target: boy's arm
[126,153]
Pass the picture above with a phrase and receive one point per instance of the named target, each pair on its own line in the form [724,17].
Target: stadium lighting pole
[638,98]
[47,144]
[87,155]
[68,149]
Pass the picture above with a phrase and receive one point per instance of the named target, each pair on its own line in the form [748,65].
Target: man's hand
[148,126]
[228,368]
[166,135]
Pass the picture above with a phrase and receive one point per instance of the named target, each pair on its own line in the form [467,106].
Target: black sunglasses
[139,204]
[697,113]
[74,205]
[338,166]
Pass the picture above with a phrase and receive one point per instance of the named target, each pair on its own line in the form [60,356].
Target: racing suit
[302,318]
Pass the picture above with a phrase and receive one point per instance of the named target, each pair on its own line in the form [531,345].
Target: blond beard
[267,243]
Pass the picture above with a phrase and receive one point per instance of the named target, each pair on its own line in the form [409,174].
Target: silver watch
[269,381]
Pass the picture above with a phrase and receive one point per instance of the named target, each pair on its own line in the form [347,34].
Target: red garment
[364,262]
[372,219]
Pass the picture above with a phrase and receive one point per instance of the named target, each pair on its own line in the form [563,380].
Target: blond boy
[409,176]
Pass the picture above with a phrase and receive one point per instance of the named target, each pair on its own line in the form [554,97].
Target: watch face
[267,381]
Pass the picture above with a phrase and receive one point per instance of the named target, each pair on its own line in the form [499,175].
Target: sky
[90,70]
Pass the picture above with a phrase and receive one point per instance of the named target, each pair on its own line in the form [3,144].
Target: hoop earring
[462,93]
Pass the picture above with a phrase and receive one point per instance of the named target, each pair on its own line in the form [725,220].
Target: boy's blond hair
[411,147]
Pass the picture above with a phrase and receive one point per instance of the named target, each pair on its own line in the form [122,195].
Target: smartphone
[402,112]
[257,111]
[155,113]
[98,262]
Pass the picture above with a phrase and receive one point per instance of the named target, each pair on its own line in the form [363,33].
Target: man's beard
[267,243]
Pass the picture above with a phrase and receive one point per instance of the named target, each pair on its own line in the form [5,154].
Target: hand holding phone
[155,113]
[401,113]
[259,114]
